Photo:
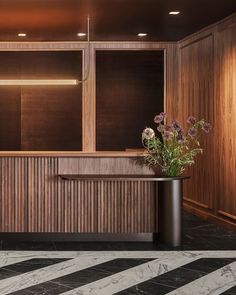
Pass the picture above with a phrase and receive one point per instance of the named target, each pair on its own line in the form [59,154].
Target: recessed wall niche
[129,92]
[41,118]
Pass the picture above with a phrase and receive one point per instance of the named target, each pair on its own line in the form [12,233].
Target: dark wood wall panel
[207,79]
[45,117]
[197,99]
[13,194]
[10,119]
[226,120]
[129,92]
[51,119]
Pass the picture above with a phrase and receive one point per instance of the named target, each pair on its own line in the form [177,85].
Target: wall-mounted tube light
[22,82]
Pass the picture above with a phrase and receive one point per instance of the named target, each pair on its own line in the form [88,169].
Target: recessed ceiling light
[81,34]
[22,35]
[174,12]
[142,34]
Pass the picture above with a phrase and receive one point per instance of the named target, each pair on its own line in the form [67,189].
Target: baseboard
[210,216]
[79,237]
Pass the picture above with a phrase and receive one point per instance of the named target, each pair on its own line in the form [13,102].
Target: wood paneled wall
[134,96]
[39,117]
[33,198]
[207,88]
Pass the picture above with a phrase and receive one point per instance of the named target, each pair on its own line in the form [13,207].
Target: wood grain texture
[126,207]
[197,99]
[226,119]
[103,165]
[13,194]
[41,118]
[57,206]
[34,199]
[207,79]
[129,93]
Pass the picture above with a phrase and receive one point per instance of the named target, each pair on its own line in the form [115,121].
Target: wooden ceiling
[121,20]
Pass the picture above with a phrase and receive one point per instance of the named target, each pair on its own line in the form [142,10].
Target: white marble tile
[135,275]
[212,284]
[48,273]
[164,261]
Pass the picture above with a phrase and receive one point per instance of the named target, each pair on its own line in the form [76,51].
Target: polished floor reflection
[198,235]
[205,264]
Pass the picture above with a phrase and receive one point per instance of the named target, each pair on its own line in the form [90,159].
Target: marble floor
[198,235]
[204,265]
[117,272]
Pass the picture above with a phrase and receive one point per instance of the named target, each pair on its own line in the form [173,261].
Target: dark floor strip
[83,277]
[179,277]
[231,291]
[27,266]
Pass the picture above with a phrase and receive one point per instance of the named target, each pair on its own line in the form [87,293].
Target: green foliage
[173,151]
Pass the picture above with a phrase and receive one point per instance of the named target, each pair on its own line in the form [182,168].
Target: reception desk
[35,199]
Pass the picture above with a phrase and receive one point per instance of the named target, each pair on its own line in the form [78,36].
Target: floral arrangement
[171,149]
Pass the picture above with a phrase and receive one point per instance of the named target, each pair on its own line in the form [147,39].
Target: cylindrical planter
[170,203]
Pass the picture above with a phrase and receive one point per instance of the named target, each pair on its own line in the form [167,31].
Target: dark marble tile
[147,288]
[34,246]
[98,272]
[207,265]
[5,273]
[47,288]
[177,278]
[180,276]
[81,278]
[118,265]
[231,291]
[32,264]
[109,246]
[198,235]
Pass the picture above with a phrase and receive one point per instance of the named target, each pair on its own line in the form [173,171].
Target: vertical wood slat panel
[34,199]
[13,194]
[56,205]
[126,207]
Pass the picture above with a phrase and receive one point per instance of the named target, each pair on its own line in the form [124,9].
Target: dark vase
[170,203]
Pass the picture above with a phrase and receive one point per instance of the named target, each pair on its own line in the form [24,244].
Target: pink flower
[167,135]
[191,120]
[192,132]
[206,127]
[160,118]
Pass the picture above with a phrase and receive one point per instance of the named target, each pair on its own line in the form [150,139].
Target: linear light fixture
[142,34]
[22,35]
[174,12]
[22,82]
[49,82]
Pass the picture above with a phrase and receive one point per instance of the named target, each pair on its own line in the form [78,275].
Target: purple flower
[176,125]
[148,133]
[180,137]
[159,118]
[192,132]
[167,128]
[167,135]
[191,120]
[206,127]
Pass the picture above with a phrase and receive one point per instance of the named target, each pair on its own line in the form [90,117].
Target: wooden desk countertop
[70,154]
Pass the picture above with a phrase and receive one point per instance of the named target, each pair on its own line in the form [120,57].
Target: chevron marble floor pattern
[117,272]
